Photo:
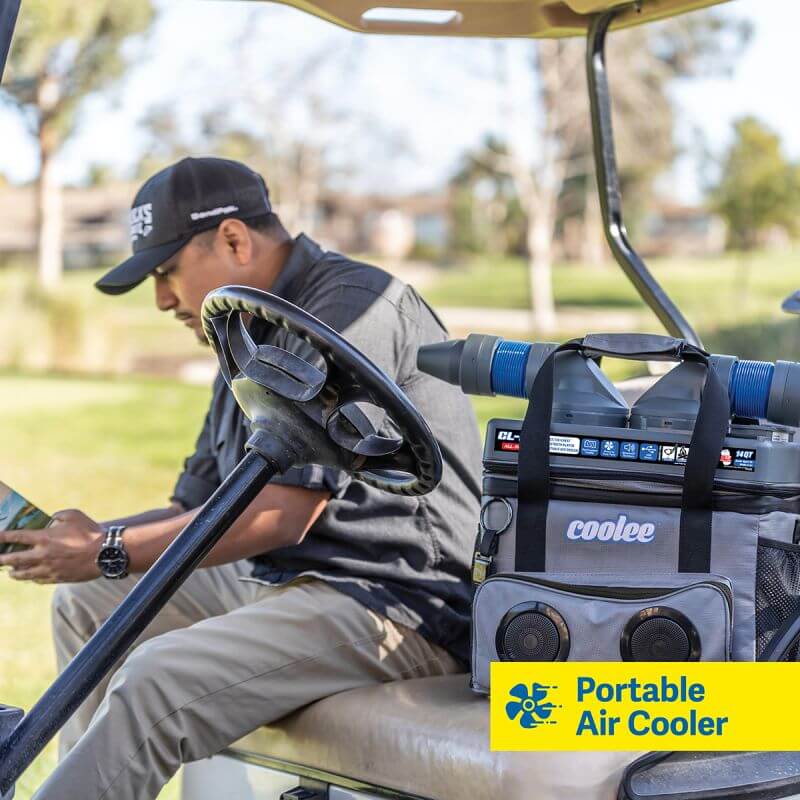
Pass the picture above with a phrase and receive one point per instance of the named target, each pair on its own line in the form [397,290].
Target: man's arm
[66,551]
[155,515]
[279,516]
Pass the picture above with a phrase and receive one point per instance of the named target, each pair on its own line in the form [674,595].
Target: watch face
[113,561]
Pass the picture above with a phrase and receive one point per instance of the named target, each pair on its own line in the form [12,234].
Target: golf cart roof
[499,18]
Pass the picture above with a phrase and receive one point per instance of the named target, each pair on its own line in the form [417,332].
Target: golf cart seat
[426,737]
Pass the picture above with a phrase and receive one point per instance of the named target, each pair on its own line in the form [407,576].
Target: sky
[431,97]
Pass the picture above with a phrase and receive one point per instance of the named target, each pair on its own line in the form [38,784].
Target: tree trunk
[540,271]
[594,250]
[308,181]
[48,194]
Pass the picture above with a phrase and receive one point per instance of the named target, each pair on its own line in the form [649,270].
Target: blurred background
[462,166]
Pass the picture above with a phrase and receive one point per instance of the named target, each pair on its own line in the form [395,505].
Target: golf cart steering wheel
[342,412]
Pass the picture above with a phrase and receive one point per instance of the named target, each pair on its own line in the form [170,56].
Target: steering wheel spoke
[350,427]
[390,466]
[292,377]
[273,368]
[219,331]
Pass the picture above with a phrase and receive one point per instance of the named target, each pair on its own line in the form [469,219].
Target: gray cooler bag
[587,567]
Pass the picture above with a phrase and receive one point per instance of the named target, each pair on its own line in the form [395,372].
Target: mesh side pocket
[777,590]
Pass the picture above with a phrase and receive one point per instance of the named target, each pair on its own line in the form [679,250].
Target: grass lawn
[733,302]
[748,285]
[108,447]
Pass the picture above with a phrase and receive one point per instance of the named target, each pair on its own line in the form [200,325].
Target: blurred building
[95,222]
[677,230]
[96,229]
[667,230]
[389,226]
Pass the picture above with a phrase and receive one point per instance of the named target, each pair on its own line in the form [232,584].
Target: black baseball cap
[174,205]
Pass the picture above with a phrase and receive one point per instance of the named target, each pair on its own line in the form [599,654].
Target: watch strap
[113,538]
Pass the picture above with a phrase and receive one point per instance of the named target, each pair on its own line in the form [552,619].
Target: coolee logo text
[619,530]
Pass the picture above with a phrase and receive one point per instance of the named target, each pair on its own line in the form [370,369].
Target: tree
[642,63]
[486,215]
[758,187]
[99,174]
[290,121]
[554,179]
[167,143]
[296,125]
[61,53]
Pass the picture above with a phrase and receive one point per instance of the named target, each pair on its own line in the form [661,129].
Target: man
[323,584]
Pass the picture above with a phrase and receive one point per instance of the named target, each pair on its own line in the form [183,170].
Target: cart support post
[608,186]
[131,617]
[8,19]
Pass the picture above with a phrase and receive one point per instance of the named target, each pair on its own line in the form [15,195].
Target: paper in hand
[17,513]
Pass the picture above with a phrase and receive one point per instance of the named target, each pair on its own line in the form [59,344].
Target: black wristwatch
[112,560]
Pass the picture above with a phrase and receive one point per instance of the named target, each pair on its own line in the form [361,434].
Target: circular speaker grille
[531,636]
[659,639]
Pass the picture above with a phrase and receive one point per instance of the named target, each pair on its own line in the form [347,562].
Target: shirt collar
[304,254]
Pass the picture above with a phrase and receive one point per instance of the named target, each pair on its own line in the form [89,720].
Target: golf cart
[421,739]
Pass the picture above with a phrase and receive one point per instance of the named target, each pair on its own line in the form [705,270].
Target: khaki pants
[223,657]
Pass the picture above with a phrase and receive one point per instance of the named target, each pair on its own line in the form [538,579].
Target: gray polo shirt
[405,557]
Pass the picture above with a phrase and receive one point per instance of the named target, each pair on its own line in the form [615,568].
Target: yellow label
[644,706]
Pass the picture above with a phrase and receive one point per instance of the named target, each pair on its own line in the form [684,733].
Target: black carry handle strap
[708,438]
[638,347]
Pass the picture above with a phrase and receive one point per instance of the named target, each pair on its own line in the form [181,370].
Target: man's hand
[64,552]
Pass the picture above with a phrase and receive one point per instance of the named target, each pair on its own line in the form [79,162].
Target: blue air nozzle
[489,365]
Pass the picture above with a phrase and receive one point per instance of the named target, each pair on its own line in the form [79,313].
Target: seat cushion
[429,737]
